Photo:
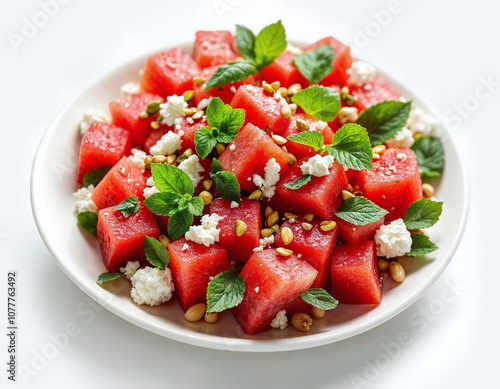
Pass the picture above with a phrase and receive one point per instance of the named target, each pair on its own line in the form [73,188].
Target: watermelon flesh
[283,70]
[353,234]
[214,48]
[374,92]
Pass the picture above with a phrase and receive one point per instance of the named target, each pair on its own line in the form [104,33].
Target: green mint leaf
[422,213]
[315,65]
[163,203]
[205,141]
[228,186]
[245,40]
[110,276]
[299,182]
[308,138]
[129,206]
[270,42]
[430,156]
[88,221]
[95,176]
[384,120]
[232,72]
[225,291]
[179,223]
[351,147]
[216,166]
[360,211]
[169,178]
[196,206]
[319,298]
[319,101]
[153,108]
[421,245]
[224,119]
[156,253]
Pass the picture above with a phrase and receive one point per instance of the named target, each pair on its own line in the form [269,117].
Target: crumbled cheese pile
[130,269]
[168,144]
[130,88]
[317,166]
[403,138]
[271,177]
[152,286]
[207,233]
[84,202]
[361,72]
[192,168]
[89,117]
[172,109]
[138,157]
[421,122]
[150,189]
[264,242]
[234,204]
[393,240]
[280,321]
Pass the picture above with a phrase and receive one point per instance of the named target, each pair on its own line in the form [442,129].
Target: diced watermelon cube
[322,196]
[272,282]
[214,48]
[239,248]
[283,70]
[124,180]
[250,154]
[169,73]
[262,110]
[394,182]
[125,113]
[315,246]
[192,267]
[353,234]
[355,275]
[374,92]
[121,239]
[102,145]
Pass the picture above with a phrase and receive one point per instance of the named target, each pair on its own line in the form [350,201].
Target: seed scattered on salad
[302,322]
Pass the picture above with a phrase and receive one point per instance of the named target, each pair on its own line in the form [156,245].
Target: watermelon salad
[259,178]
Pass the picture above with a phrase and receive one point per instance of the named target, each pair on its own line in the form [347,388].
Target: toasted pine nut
[198,115]
[273,218]
[294,89]
[188,152]
[427,190]
[276,85]
[301,321]
[159,159]
[309,217]
[348,115]
[171,159]
[164,240]
[286,235]
[207,184]
[307,226]
[196,312]
[347,195]
[206,197]
[350,188]
[255,195]
[279,140]
[283,91]
[199,80]
[266,232]
[220,148]
[292,159]
[268,211]
[240,227]
[383,265]
[275,228]
[284,252]
[378,149]
[290,215]
[148,160]
[303,125]
[293,108]
[211,318]
[318,313]
[143,115]
[327,225]
[189,111]
[155,125]
[286,112]
[397,271]
[267,87]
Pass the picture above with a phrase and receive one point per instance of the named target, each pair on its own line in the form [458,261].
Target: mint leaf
[216,166]
[196,206]
[308,138]
[110,276]
[360,211]
[169,178]
[421,245]
[319,101]
[129,206]
[205,142]
[228,186]
[95,176]
[245,40]
[351,147]
[299,182]
[384,120]
[422,213]
[179,223]
[225,120]
[430,156]
[163,204]
[319,298]
[225,291]
[88,221]
[269,44]
[156,253]
[315,65]
[232,72]
[153,108]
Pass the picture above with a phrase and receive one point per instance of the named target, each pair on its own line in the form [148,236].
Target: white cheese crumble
[280,321]
[84,202]
[168,144]
[419,121]
[321,125]
[393,240]
[264,242]
[317,166]
[138,157]
[361,72]
[293,49]
[151,188]
[152,286]
[401,156]
[348,115]
[185,247]
[89,117]
[403,138]
[203,104]
[131,88]
[232,147]
[271,177]
[234,204]
[207,233]
[130,269]
[172,109]
[233,89]
[192,168]
[257,288]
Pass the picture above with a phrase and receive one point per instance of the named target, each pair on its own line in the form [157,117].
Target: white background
[444,50]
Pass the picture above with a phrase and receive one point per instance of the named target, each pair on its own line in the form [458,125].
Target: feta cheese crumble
[403,138]
[130,269]
[131,88]
[264,242]
[89,117]
[421,122]
[232,147]
[361,72]
[271,177]
[203,104]
[207,233]
[257,288]
[192,168]
[152,286]
[393,240]
[138,157]
[280,321]
[185,247]
[172,109]
[84,202]
[168,144]
[317,166]
[234,204]
[151,188]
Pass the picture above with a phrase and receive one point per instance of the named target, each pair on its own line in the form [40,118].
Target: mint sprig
[95,176]
[299,182]
[156,253]
[422,213]
[312,139]
[88,221]
[129,206]
[179,223]
[319,101]
[315,65]
[109,276]
[430,156]
[225,182]
[421,245]
[360,211]
[319,298]
[225,291]
[245,40]
[232,72]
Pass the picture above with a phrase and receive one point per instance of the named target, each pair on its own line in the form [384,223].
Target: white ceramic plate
[54,181]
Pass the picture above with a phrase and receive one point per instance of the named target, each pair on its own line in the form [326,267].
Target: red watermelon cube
[353,234]
[374,92]
[272,282]
[102,145]
[121,239]
[214,48]
[355,275]
[283,70]
[192,266]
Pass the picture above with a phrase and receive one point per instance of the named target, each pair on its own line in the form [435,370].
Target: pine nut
[283,91]
[378,149]
[268,211]
[276,85]
[188,95]
[207,184]
[211,318]
[301,321]
[164,240]
[155,125]
[302,125]
[292,159]
[293,108]
[290,215]
[279,140]
[171,159]
[273,218]
[318,313]
[196,312]
[148,160]
[255,195]
[307,226]
[348,115]
[350,188]
[358,193]
[143,115]
[383,265]
[427,190]
[198,115]
[347,195]
[286,112]
[327,225]
[266,232]
[309,217]
[286,235]
[219,147]
[188,152]
[240,227]
[284,252]
[294,89]
[275,228]
[206,197]
[199,80]
[375,156]
[159,159]
[189,111]
[267,87]
[397,271]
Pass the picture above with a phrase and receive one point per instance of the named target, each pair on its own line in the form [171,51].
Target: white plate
[53,182]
